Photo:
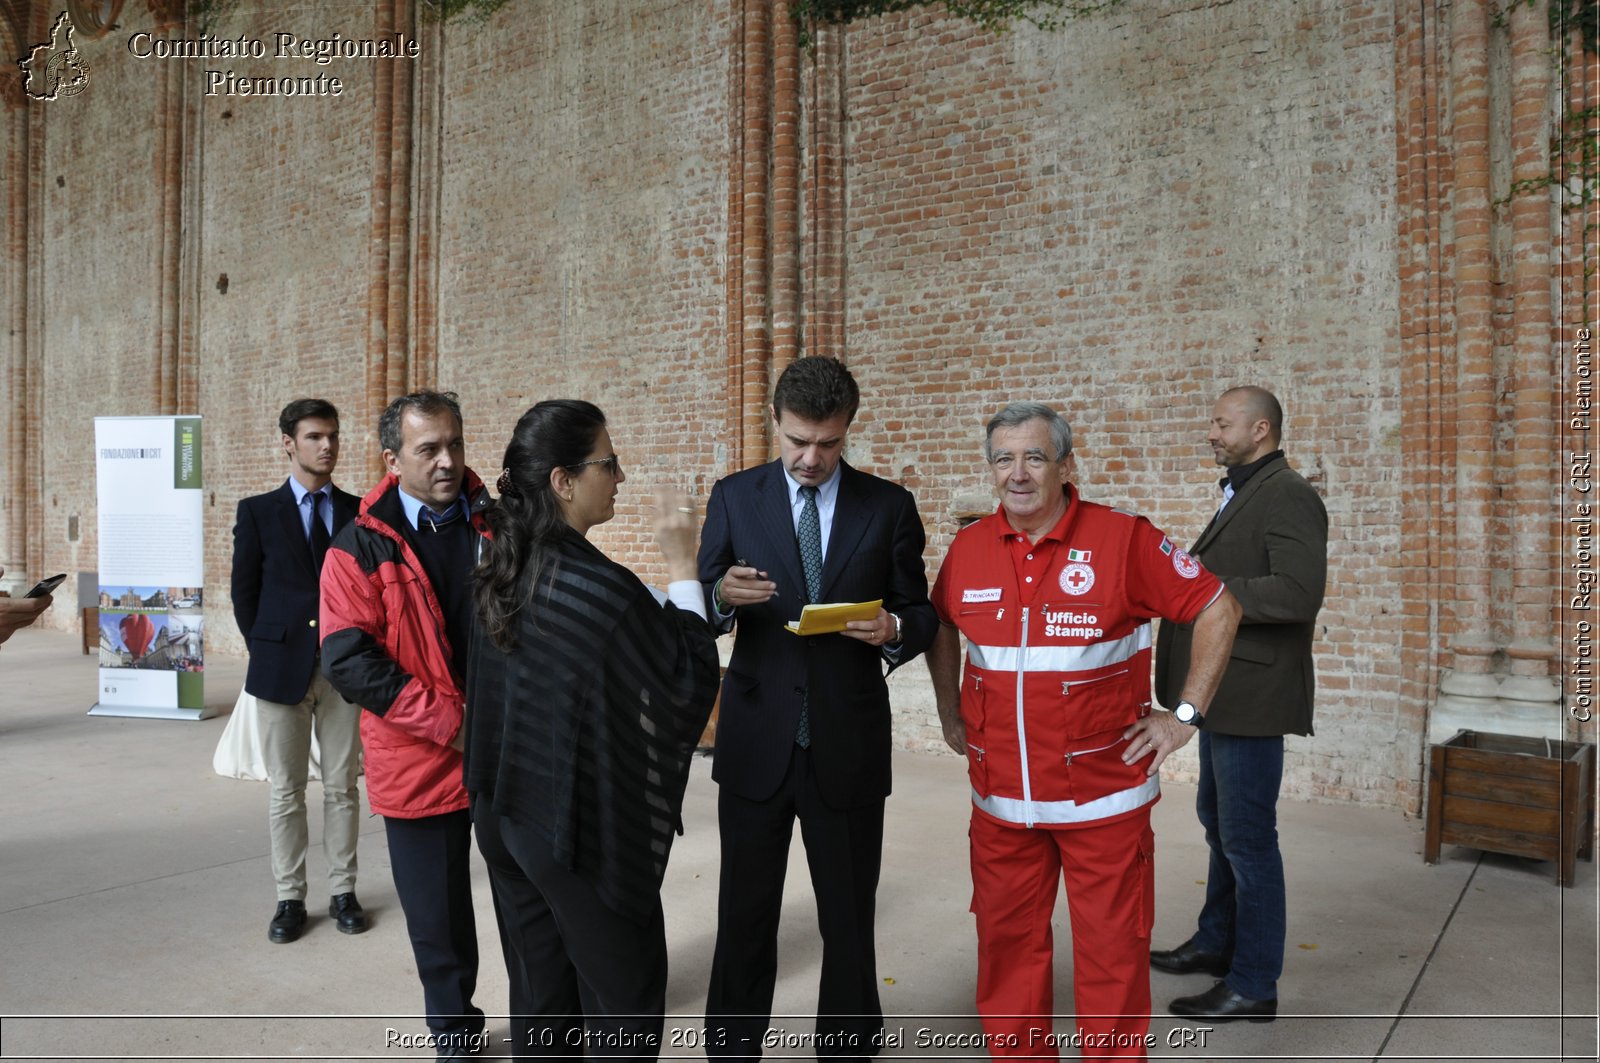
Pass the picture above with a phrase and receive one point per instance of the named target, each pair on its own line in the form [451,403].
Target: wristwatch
[1187,713]
[897,629]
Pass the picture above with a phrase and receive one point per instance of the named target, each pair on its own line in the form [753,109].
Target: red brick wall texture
[655,206]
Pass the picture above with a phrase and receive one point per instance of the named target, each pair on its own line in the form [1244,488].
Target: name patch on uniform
[1186,565]
[986,594]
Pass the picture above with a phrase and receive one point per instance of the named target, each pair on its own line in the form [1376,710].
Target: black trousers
[844,850]
[431,860]
[585,977]
[506,884]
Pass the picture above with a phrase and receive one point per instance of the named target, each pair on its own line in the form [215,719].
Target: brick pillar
[190,258]
[1575,341]
[1533,442]
[1472,641]
[428,128]
[823,264]
[30,398]
[15,267]
[767,296]
[170,84]
[785,217]
[1422,177]
[750,354]
[1480,335]
[379,374]
[397,308]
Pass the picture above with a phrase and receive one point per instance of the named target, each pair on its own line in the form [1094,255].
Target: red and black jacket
[384,648]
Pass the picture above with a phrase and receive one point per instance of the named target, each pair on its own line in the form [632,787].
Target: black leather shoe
[1186,959]
[287,922]
[1221,1004]
[348,912]
[461,1045]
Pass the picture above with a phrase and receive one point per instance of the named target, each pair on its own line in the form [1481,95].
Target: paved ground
[135,894]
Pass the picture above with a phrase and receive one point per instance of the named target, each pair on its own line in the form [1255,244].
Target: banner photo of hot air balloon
[133,640]
[152,567]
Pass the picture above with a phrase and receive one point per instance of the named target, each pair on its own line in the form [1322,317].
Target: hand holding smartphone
[46,585]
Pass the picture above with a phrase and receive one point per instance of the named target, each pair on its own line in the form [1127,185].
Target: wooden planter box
[1529,797]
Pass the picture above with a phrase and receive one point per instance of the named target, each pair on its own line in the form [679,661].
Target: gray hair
[1017,413]
[424,404]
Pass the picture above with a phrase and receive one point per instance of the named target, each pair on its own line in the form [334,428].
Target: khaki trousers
[286,744]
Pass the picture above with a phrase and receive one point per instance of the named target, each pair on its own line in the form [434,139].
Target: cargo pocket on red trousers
[1147,881]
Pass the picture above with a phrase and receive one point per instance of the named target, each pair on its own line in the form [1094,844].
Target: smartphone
[46,585]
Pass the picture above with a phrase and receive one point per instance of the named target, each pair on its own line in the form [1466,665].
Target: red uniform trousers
[1110,878]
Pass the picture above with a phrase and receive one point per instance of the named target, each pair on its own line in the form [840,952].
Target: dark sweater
[448,552]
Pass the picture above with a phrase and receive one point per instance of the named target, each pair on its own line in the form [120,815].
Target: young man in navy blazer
[803,732]
[279,540]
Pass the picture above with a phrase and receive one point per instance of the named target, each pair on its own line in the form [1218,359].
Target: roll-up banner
[152,567]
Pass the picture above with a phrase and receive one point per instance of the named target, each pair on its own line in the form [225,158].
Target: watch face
[1186,713]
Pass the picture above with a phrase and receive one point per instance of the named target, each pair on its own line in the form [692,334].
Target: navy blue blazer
[276,593]
[874,551]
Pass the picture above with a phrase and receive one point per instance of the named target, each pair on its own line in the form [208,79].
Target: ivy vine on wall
[209,15]
[993,15]
[1574,159]
[467,10]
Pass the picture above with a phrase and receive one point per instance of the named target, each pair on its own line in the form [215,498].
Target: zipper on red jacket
[1022,734]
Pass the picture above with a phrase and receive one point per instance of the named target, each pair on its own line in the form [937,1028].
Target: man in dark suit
[803,731]
[1269,544]
[279,541]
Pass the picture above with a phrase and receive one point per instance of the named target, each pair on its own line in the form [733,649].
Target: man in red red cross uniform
[1055,596]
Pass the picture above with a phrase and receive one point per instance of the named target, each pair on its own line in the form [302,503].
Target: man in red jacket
[1055,596]
[396,611]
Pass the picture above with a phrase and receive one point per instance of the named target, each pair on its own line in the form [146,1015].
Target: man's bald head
[1246,424]
[1261,405]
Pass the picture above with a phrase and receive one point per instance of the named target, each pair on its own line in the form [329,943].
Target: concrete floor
[135,895]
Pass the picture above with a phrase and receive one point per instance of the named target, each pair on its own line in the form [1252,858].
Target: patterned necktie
[809,534]
[319,532]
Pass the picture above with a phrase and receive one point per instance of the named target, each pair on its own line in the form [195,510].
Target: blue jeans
[1244,915]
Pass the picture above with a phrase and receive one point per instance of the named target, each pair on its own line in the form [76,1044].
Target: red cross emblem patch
[1186,565]
[1077,578]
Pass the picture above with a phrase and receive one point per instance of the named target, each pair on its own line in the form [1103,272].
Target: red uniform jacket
[1056,669]
[384,648]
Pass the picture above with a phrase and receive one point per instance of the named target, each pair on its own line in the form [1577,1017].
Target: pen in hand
[740,562]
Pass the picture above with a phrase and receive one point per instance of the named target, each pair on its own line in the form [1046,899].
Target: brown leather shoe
[347,911]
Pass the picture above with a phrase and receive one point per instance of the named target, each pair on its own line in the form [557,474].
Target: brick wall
[285,204]
[93,321]
[582,226]
[1123,218]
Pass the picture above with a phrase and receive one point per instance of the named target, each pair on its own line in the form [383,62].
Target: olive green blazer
[1270,546]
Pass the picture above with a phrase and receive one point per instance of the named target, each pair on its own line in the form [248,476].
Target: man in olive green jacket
[1269,544]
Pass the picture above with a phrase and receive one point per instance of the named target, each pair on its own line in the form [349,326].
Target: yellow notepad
[833,616]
